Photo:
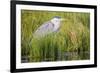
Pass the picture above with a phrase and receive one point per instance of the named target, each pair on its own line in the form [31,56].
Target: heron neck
[56,26]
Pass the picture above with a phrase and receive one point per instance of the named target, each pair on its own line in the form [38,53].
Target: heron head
[57,20]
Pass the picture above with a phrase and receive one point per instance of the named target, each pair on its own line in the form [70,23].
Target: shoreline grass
[73,37]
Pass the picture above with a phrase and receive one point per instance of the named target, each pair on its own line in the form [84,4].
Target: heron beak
[62,19]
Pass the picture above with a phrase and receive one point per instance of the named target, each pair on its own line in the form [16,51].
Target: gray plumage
[48,27]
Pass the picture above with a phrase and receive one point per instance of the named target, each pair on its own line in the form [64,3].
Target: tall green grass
[69,43]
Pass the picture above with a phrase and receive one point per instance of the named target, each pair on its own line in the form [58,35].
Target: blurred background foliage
[72,42]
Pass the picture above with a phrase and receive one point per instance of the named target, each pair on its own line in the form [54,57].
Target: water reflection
[60,56]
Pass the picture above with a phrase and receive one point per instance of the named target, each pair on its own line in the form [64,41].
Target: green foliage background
[70,43]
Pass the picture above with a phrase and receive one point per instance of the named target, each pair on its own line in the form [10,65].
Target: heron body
[48,27]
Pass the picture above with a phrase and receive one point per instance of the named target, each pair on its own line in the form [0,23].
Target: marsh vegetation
[71,42]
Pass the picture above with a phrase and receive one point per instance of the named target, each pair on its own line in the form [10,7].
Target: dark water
[60,56]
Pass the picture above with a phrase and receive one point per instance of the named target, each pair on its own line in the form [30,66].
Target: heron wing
[45,28]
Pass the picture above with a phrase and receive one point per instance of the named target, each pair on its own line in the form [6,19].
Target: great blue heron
[49,27]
